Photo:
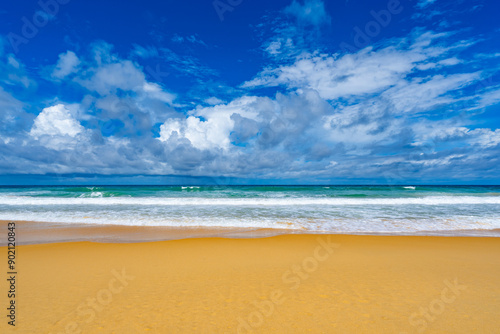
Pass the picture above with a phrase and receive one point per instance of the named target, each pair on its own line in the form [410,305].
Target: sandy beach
[245,167]
[279,284]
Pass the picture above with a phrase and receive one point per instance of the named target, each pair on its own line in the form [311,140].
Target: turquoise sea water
[335,209]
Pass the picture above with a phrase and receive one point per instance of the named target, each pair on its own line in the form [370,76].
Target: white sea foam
[338,225]
[297,201]
[355,210]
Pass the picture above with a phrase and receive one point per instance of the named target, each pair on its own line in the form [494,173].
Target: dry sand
[280,284]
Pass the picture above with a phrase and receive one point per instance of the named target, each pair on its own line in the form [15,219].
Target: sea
[403,209]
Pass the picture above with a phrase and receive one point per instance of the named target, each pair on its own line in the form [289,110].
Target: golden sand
[281,284]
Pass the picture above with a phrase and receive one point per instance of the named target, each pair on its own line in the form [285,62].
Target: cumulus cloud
[208,128]
[121,101]
[55,121]
[56,128]
[253,134]
[393,110]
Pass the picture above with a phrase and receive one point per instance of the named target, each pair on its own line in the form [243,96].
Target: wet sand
[30,232]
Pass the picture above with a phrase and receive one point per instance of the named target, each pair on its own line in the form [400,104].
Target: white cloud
[362,125]
[108,75]
[154,91]
[212,132]
[56,125]
[108,78]
[67,64]
[361,73]
[213,101]
[448,131]
[278,46]
[439,161]
[398,71]
[490,98]
[450,61]
[424,93]
[352,115]
[203,135]
[486,137]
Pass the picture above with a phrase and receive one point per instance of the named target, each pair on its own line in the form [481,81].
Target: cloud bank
[406,108]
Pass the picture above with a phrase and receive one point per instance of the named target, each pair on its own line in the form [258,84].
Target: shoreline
[281,284]
[32,232]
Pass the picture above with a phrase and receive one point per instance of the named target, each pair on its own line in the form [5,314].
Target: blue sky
[302,91]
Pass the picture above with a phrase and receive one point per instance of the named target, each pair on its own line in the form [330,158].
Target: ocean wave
[97,199]
[325,225]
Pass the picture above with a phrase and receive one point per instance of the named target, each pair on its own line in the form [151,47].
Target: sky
[250,92]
